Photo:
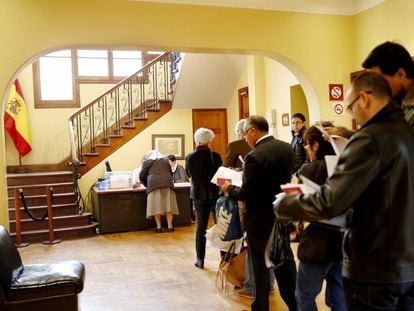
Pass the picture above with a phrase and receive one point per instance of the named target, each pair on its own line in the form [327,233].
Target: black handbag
[278,245]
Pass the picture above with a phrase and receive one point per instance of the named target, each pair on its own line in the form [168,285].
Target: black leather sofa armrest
[36,276]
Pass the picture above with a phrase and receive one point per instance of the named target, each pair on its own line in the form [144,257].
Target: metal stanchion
[52,240]
[17,217]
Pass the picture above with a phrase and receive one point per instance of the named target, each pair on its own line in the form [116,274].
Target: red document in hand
[291,189]
[221,181]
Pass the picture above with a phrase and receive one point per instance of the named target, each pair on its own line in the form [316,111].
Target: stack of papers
[224,174]
[309,187]
[338,144]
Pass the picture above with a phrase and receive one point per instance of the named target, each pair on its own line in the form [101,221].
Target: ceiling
[341,7]
[209,80]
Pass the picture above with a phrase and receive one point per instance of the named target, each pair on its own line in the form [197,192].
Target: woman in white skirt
[156,175]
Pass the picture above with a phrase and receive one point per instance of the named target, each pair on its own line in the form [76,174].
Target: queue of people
[367,263]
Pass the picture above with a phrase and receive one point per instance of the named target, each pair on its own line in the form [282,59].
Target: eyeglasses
[247,131]
[352,103]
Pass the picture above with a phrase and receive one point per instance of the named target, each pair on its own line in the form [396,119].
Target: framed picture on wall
[285,119]
[169,144]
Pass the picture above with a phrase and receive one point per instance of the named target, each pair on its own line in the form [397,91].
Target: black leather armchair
[53,286]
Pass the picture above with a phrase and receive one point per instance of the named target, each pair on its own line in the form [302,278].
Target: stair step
[103,145]
[90,154]
[39,178]
[59,233]
[138,118]
[128,126]
[41,199]
[41,188]
[39,211]
[58,222]
[115,136]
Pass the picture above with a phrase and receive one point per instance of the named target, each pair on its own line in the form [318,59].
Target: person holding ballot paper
[319,249]
[266,167]
[374,177]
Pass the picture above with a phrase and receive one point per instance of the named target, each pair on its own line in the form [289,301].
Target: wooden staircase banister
[122,111]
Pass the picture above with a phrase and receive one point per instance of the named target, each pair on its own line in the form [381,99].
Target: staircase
[97,130]
[67,221]
[103,126]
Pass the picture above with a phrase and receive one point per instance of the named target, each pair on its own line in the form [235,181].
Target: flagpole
[20,168]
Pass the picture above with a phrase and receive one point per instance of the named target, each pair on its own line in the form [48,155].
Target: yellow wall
[278,82]
[318,49]
[233,107]
[128,157]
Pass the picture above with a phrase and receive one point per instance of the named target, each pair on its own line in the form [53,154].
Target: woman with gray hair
[156,175]
[201,165]
[236,150]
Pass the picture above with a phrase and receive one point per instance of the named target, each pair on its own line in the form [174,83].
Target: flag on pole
[16,120]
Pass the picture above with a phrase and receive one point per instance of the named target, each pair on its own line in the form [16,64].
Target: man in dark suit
[266,167]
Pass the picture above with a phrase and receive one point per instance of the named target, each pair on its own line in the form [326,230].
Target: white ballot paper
[309,187]
[338,144]
[224,174]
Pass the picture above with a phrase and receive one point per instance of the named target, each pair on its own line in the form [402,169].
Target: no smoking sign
[336,92]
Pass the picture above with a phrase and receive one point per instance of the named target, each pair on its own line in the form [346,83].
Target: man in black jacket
[375,178]
[266,167]
[395,64]
[297,143]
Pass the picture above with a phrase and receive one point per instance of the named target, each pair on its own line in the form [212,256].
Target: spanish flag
[16,120]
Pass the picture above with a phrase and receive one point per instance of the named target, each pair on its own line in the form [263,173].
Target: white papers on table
[224,174]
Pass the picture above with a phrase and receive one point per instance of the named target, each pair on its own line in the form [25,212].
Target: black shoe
[199,263]
[171,229]
[158,230]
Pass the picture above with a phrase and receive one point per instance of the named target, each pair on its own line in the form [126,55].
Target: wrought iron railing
[127,101]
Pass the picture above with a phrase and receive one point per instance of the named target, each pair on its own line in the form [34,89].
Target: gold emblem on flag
[14,106]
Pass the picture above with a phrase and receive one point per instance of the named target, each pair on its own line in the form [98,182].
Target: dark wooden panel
[117,211]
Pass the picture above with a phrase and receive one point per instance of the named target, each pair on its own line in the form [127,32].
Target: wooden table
[118,210]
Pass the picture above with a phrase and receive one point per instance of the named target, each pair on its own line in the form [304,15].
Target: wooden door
[215,120]
[244,111]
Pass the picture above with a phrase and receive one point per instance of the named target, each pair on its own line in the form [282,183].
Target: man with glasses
[266,167]
[298,128]
[375,178]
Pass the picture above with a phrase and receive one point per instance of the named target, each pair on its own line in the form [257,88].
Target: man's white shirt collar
[261,138]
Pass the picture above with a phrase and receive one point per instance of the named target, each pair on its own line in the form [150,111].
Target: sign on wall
[336,92]
[338,109]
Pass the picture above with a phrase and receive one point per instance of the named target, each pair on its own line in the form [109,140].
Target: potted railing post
[49,193]
[17,217]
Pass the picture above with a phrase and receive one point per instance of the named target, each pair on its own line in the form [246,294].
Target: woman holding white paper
[319,249]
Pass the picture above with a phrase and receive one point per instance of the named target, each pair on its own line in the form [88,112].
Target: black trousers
[257,235]
[203,209]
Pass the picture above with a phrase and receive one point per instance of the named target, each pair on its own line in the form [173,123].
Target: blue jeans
[248,282]
[363,296]
[309,284]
